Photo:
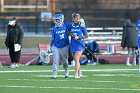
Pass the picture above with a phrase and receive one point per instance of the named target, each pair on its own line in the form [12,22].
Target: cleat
[66,74]
[134,64]
[80,74]
[16,65]
[128,64]
[53,77]
[12,66]
[76,76]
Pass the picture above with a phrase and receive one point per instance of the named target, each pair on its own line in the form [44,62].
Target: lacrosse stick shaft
[29,62]
[0,65]
[86,48]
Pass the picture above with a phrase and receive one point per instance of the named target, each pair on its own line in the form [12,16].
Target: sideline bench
[112,56]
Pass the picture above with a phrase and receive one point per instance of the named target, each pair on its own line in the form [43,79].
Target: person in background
[129,40]
[93,47]
[138,28]
[60,45]
[80,33]
[14,41]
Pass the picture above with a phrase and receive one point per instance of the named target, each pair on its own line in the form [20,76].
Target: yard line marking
[67,80]
[76,88]
[57,76]
[111,75]
[59,80]
[96,70]
[101,75]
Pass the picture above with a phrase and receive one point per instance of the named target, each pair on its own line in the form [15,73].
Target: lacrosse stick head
[45,56]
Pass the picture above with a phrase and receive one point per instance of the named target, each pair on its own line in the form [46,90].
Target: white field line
[67,80]
[76,88]
[95,70]
[71,76]
[114,75]
[100,75]
[59,80]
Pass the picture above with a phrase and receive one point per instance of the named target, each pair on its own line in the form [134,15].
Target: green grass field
[111,78]
[28,42]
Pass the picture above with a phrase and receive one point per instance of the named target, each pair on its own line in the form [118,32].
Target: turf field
[111,78]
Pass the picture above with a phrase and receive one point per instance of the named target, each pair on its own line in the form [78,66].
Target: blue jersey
[59,37]
[139,39]
[138,27]
[77,31]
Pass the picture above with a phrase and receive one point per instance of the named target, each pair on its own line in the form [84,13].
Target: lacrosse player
[80,33]
[60,45]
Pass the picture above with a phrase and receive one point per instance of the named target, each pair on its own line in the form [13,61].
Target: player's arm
[53,38]
[85,35]
[77,37]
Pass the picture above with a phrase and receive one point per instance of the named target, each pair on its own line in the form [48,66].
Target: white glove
[49,49]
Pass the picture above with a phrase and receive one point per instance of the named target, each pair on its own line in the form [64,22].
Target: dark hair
[127,21]
[13,18]
[75,14]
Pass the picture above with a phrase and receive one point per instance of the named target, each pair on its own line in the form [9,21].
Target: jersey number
[61,36]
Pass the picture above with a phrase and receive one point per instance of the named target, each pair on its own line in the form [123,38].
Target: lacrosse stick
[44,56]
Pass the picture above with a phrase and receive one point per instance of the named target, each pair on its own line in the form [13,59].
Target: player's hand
[49,49]
[76,37]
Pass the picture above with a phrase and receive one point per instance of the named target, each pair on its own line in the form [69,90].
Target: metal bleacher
[112,35]
[107,36]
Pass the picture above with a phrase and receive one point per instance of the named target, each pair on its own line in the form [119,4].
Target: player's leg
[139,59]
[17,58]
[64,58]
[128,57]
[134,56]
[11,53]
[56,57]
[77,64]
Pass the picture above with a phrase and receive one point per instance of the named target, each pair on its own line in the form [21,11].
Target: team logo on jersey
[75,30]
[61,31]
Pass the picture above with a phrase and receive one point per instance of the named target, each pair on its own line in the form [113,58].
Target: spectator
[138,27]
[129,40]
[13,41]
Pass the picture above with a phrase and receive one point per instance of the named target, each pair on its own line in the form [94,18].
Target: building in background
[97,13]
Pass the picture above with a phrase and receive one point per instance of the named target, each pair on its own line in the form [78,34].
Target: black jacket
[130,36]
[14,35]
